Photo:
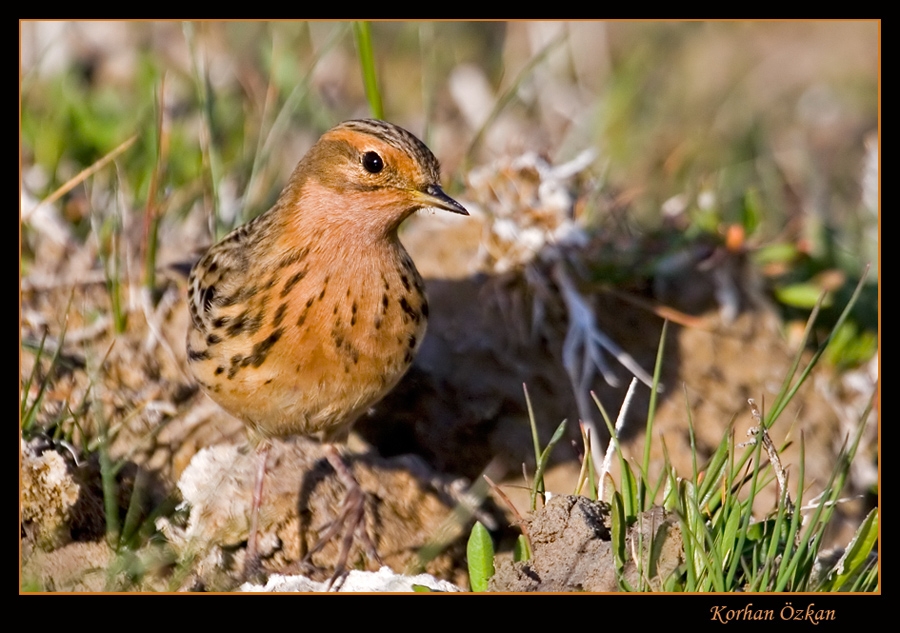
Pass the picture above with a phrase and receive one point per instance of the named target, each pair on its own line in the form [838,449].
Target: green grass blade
[28,414]
[363,36]
[618,531]
[531,421]
[543,461]
[784,397]
[480,556]
[521,550]
[857,553]
[110,489]
[651,409]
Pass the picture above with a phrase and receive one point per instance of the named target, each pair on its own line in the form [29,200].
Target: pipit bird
[306,316]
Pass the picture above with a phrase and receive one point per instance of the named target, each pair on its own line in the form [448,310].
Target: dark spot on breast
[191,292]
[261,350]
[279,315]
[408,309]
[213,267]
[239,324]
[407,358]
[378,323]
[254,323]
[240,232]
[412,341]
[384,303]
[197,355]
[244,294]
[302,319]
[219,370]
[288,286]
[207,296]
[235,366]
[296,255]
[405,280]
[213,339]
[345,346]
[335,308]
[348,293]
[221,322]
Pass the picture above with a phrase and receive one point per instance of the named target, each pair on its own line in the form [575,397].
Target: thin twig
[86,173]
[760,430]
[509,504]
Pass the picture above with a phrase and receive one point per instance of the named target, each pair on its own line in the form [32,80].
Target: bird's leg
[251,559]
[351,520]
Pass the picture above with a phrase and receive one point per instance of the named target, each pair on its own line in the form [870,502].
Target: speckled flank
[291,282]
[279,315]
[302,318]
[295,256]
[195,355]
[407,309]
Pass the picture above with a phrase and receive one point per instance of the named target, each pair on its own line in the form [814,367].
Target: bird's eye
[372,162]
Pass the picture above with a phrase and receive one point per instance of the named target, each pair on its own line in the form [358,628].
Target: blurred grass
[674,106]
[698,125]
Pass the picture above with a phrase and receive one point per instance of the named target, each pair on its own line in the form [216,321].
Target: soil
[459,412]
[571,550]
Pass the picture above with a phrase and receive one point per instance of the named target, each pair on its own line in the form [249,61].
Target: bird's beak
[434,196]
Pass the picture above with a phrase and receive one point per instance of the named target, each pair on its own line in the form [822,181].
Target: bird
[304,317]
